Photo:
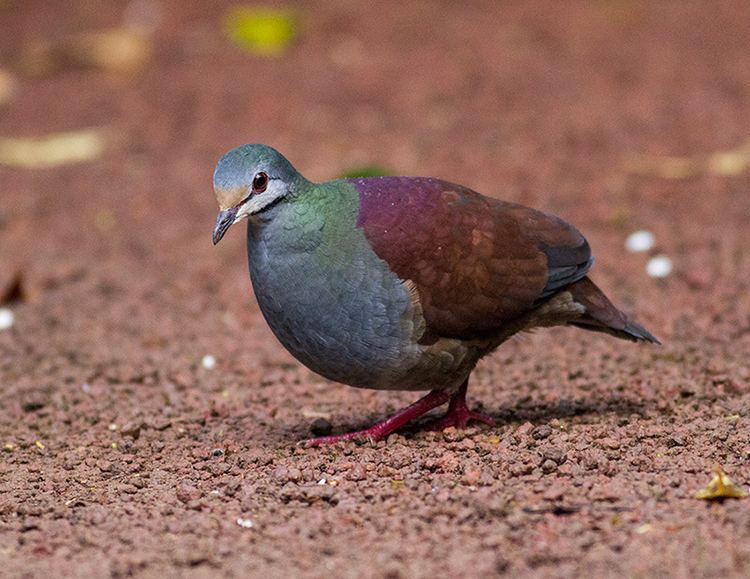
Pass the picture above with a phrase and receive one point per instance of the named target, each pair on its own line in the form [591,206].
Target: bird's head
[249,180]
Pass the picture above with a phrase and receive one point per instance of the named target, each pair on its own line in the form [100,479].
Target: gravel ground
[125,453]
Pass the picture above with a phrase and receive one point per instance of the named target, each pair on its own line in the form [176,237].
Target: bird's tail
[602,316]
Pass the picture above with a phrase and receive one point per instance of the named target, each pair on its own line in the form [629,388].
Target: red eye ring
[260,182]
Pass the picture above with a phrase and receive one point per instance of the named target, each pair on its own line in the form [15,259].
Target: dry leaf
[728,163]
[263,31]
[308,413]
[397,485]
[665,167]
[116,50]
[721,487]
[52,150]
[8,86]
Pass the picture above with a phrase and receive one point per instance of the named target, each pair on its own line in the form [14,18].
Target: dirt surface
[124,455]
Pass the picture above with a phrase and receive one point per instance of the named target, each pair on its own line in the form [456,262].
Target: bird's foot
[382,429]
[458,414]
[458,419]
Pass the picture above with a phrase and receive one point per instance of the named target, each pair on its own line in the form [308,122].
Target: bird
[404,283]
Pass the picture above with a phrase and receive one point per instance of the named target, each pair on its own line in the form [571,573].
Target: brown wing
[476,262]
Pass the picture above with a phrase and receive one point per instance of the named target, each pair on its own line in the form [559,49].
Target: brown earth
[123,455]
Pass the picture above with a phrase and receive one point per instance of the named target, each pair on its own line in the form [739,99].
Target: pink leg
[458,414]
[384,428]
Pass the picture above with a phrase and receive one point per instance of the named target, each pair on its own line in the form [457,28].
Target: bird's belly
[354,324]
[351,329]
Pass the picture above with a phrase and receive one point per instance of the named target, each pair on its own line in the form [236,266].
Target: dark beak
[223,222]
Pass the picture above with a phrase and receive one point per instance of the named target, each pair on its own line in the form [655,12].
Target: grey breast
[348,319]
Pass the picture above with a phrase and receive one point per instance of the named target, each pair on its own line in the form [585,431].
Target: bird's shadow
[567,408]
[535,413]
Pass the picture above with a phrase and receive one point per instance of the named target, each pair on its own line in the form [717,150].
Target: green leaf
[367,171]
[262,31]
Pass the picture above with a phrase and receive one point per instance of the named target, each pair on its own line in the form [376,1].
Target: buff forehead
[229,197]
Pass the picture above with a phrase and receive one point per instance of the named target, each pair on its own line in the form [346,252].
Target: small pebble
[86,387]
[6,319]
[640,241]
[132,429]
[645,528]
[524,429]
[659,266]
[541,432]
[321,427]
[208,362]
[245,523]
[357,473]
[472,476]
[186,492]
[549,466]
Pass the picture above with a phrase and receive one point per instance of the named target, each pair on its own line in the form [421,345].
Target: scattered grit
[150,420]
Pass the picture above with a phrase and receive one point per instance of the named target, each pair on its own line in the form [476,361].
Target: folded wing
[476,262]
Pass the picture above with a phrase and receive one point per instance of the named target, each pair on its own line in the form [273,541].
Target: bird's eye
[260,182]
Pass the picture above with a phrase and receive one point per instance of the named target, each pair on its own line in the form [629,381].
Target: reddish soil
[123,455]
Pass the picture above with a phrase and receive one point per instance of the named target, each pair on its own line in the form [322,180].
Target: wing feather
[476,262]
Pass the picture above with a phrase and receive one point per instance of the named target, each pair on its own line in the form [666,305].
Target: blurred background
[622,116]
[630,119]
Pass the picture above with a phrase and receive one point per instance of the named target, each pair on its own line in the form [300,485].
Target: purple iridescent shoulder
[389,199]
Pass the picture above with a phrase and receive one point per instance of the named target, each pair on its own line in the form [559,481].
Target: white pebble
[322,481]
[245,523]
[645,528]
[208,362]
[659,266]
[6,319]
[640,241]
[86,387]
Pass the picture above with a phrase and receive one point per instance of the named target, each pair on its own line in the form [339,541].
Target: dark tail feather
[639,333]
[602,316]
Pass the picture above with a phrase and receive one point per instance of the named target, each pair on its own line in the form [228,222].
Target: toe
[483,418]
